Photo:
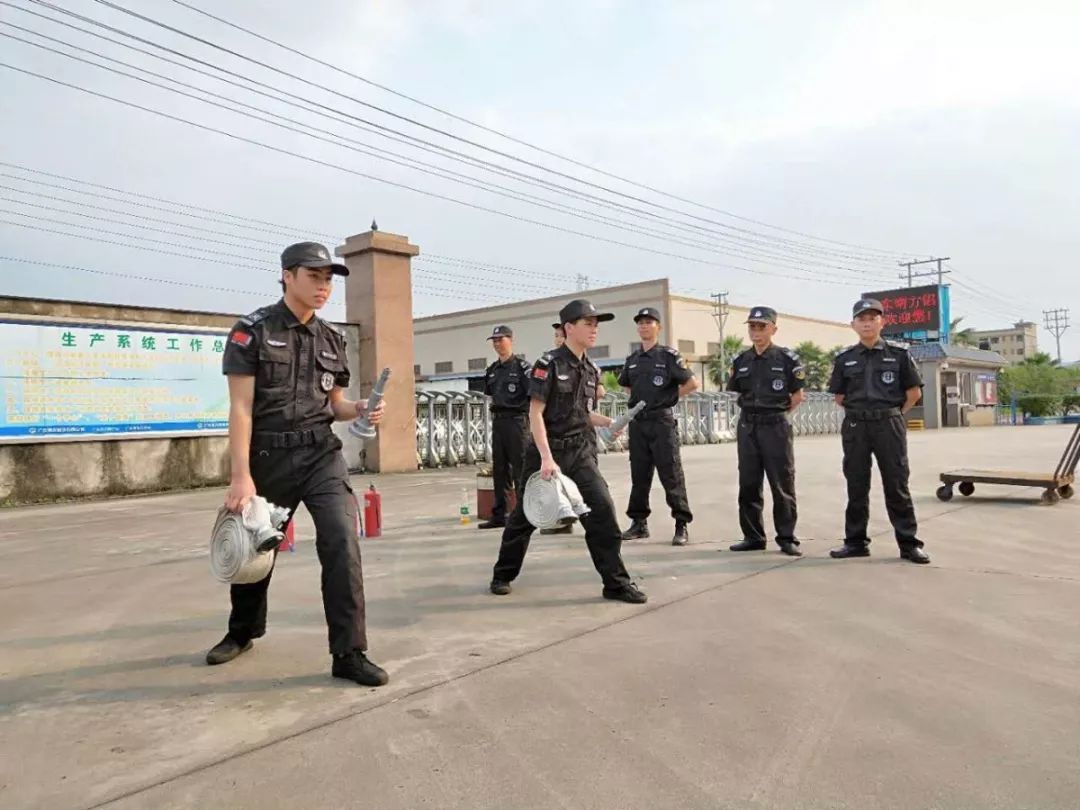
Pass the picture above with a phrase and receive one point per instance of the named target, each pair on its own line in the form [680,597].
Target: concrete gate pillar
[378,297]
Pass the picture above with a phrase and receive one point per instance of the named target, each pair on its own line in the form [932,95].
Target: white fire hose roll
[552,503]
[234,544]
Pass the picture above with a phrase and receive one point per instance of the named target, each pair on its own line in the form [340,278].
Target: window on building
[1020,350]
[600,351]
[445,367]
[714,349]
[635,346]
[686,346]
[416,370]
[993,340]
[477,363]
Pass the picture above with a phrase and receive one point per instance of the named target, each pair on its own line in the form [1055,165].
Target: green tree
[719,367]
[961,337]
[817,363]
[610,381]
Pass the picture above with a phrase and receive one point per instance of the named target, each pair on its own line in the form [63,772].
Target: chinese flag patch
[240,338]
[540,373]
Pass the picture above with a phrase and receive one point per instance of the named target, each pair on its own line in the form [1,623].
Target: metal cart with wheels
[1055,485]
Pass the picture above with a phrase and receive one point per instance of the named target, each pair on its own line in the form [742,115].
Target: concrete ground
[748,681]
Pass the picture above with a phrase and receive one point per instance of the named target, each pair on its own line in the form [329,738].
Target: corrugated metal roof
[947,351]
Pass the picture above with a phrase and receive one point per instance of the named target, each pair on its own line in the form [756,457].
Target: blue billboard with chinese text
[63,380]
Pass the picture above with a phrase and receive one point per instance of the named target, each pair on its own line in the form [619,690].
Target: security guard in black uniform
[558,339]
[876,383]
[658,376]
[769,380]
[507,383]
[562,420]
[287,377]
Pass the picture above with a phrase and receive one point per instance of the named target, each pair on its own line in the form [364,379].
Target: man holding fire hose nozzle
[287,378]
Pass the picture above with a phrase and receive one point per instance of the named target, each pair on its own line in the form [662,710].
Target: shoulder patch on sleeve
[543,359]
[253,318]
[241,336]
[671,350]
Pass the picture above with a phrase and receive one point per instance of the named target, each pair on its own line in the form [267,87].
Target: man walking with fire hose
[287,378]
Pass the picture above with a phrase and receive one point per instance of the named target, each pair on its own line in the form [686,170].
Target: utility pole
[1056,322]
[582,282]
[911,276]
[720,313]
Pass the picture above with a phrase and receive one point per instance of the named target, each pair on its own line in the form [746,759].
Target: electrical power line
[275,119]
[777,250]
[390,113]
[511,138]
[407,187]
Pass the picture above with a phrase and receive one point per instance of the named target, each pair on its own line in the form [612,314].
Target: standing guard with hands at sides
[287,377]
[563,423]
[876,383]
[769,380]
[507,383]
[656,375]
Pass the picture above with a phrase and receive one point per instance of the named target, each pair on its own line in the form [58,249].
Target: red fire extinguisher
[288,543]
[372,513]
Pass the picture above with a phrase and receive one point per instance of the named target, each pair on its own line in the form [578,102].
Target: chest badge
[327,381]
[326,354]
[512,387]
[278,343]
[888,377]
[563,376]
[658,380]
[777,385]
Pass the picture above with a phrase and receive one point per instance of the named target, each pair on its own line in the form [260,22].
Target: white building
[453,348]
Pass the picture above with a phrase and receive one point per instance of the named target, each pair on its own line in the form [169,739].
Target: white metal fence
[454,427]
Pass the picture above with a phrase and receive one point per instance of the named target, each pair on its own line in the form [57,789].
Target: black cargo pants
[576,458]
[509,436]
[654,444]
[313,473]
[766,450]
[883,436]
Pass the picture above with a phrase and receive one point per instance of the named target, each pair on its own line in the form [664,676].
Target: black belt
[765,418]
[570,441]
[871,414]
[661,415]
[509,414]
[293,438]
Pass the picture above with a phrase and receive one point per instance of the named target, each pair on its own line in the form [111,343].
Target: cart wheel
[966,488]
[1066,491]
[945,493]
[1050,497]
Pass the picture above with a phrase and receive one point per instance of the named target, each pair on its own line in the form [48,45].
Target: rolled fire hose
[235,557]
[552,503]
[360,427]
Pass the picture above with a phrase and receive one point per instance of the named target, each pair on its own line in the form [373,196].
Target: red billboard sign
[910,309]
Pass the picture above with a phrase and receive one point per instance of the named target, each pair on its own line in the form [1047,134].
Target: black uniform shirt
[567,386]
[876,377]
[766,381]
[295,367]
[654,377]
[508,385]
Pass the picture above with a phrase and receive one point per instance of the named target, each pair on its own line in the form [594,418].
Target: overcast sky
[907,128]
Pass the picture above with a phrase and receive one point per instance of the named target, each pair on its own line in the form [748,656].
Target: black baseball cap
[647,312]
[761,315]
[310,254]
[867,305]
[556,326]
[580,308]
[501,331]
